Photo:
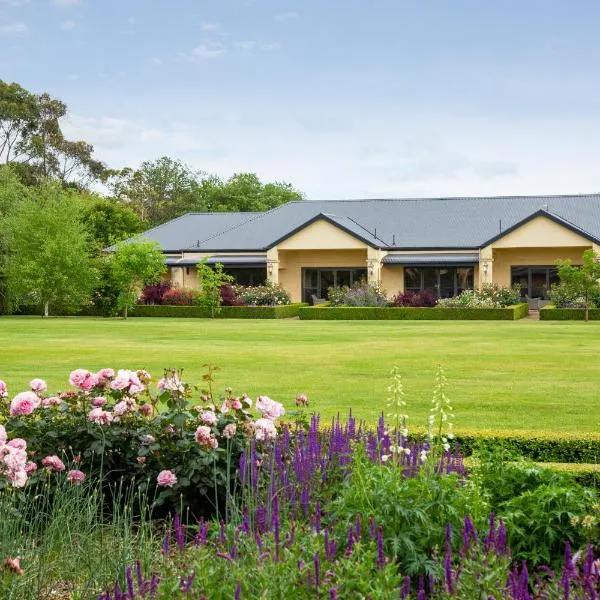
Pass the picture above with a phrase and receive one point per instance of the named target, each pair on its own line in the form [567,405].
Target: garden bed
[511,313]
[286,311]
[551,313]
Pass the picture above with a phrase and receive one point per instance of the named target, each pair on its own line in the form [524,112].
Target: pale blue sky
[344,99]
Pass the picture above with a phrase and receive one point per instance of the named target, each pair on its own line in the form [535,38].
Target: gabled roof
[394,224]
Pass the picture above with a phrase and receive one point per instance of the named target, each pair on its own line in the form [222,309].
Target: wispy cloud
[270,46]
[286,16]
[245,45]
[66,2]
[156,61]
[250,45]
[210,26]
[208,49]
[66,25]
[14,29]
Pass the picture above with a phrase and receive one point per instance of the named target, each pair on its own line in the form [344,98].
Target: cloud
[270,46]
[207,50]
[67,2]
[287,16]
[14,29]
[66,25]
[155,61]
[210,26]
[14,3]
[249,45]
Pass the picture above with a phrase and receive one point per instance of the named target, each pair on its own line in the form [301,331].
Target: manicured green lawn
[524,375]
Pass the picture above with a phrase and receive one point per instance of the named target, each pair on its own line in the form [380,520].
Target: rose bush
[109,426]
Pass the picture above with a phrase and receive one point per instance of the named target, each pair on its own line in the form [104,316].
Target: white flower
[423,455]
[385,457]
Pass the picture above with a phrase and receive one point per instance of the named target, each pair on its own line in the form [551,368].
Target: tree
[18,116]
[211,281]
[581,281]
[109,221]
[134,265]
[50,260]
[159,190]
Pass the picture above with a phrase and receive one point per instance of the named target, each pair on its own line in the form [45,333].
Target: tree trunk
[46,308]
[587,308]
[125,312]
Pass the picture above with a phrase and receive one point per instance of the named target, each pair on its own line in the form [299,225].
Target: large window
[247,275]
[316,282]
[535,282]
[444,281]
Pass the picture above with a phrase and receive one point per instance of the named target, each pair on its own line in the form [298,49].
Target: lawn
[524,375]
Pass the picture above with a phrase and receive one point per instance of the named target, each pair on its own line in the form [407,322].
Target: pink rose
[38,385]
[170,383]
[166,478]
[75,476]
[78,377]
[123,407]
[52,401]
[269,408]
[205,437]
[18,443]
[146,410]
[100,417]
[16,459]
[3,436]
[208,417]
[229,431]
[14,565]
[99,401]
[24,404]
[3,389]
[264,429]
[18,478]
[121,381]
[30,468]
[104,374]
[53,463]
[236,404]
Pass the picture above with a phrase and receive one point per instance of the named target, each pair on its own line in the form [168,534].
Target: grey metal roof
[403,224]
[226,260]
[431,259]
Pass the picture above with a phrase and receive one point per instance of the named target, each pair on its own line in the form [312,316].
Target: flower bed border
[551,313]
[510,313]
[286,311]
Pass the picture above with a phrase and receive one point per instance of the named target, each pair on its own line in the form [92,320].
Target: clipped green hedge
[584,474]
[511,313]
[551,313]
[227,312]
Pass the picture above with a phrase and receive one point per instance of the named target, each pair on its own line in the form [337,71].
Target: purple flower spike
[357,527]
[333,594]
[317,565]
[167,542]
[380,554]
[405,591]
[238,591]
[179,533]
[129,580]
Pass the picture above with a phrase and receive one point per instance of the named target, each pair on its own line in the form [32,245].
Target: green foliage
[212,279]
[552,313]
[359,295]
[581,281]
[413,511]
[269,294]
[418,314]
[134,265]
[50,262]
[226,312]
[488,295]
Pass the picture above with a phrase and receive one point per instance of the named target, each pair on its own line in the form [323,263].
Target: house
[445,244]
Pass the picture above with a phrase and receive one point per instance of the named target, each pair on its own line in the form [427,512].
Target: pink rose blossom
[208,417]
[103,375]
[30,467]
[171,383]
[146,410]
[75,476]
[38,385]
[229,431]
[269,408]
[225,407]
[100,417]
[166,478]
[15,459]
[3,389]
[236,404]
[14,565]
[24,404]
[205,437]
[99,401]
[78,377]
[52,401]
[123,407]
[18,478]
[121,381]
[18,443]
[264,429]
[3,436]
[53,463]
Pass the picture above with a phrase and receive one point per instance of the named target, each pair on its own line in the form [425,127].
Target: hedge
[511,313]
[551,313]
[227,312]
[584,474]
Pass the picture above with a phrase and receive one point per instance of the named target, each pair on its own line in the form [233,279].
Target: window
[316,282]
[247,276]
[444,281]
[535,282]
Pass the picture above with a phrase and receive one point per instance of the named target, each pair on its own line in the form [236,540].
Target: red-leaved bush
[180,297]
[229,297]
[422,299]
[153,294]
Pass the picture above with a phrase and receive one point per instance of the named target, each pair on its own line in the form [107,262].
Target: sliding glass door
[316,282]
[446,282]
[535,282]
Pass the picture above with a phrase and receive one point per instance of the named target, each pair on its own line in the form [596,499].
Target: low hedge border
[551,313]
[510,313]
[286,311]
[584,474]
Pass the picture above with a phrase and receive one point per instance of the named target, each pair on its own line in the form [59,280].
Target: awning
[225,260]
[431,260]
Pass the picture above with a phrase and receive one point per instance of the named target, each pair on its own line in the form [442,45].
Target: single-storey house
[444,244]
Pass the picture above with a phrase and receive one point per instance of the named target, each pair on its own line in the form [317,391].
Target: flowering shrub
[360,294]
[424,299]
[108,425]
[153,294]
[268,294]
[489,295]
[229,297]
[180,297]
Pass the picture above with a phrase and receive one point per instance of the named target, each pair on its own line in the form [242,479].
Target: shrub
[360,294]
[153,294]
[180,297]
[489,295]
[337,295]
[229,297]
[422,299]
[269,294]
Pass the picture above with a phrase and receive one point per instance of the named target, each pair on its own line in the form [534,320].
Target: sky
[341,98]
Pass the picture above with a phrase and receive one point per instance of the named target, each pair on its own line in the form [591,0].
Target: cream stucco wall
[321,235]
[291,263]
[392,279]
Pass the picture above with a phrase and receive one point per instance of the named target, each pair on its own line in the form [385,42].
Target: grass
[529,376]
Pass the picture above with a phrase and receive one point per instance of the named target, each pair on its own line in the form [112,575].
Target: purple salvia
[372,527]
[317,565]
[489,540]
[260,519]
[350,541]
[129,581]
[318,517]
[167,542]
[258,540]
[501,539]
[154,585]
[421,594]
[405,591]
[357,527]
[243,466]
[449,575]
[179,533]
[275,525]
[221,532]
[202,535]
[333,594]
[380,554]
[245,520]
[568,573]
[238,591]
[140,578]
[233,552]
[304,499]
[185,584]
